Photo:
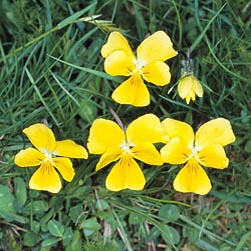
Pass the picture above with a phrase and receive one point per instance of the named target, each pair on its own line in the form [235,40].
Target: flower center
[126,146]
[139,63]
[195,150]
[48,155]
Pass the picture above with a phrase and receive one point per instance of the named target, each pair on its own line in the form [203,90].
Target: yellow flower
[188,87]
[148,64]
[46,176]
[204,148]
[116,144]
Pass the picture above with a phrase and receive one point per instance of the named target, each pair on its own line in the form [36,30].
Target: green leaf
[87,110]
[56,228]
[9,216]
[170,235]
[135,218]
[50,241]
[35,226]
[20,191]
[6,200]
[109,218]
[247,147]
[204,245]
[7,209]
[154,234]
[31,239]
[75,212]
[169,212]
[39,206]
[76,243]
[46,218]
[68,234]
[90,226]
[101,204]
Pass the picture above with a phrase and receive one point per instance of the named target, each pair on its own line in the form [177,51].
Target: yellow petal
[29,157]
[175,151]
[125,174]
[189,87]
[116,41]
[157,73]
[41,137]
[46,178]
[109,156]
[147,153]
[69,148]
[197,87]
[192,179]
[64,166]
[216,131]
[104,134]
[158,46]
[213,156]
[133,92]
[185,90]
[119,63]
[145,128]
[175,128]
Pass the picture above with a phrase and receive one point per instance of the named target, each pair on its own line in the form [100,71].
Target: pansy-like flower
[204,148]
[188,87]
[148,64]
[44,155]
[123,146]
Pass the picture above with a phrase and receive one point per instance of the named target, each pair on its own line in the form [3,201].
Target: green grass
[51,70]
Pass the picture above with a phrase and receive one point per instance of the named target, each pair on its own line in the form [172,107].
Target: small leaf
[170,235]
[68,234]
[102,204]
[20,191]
[12,217]
[135,218]
[90,226]
[38,207]
[247,147]
[35,226]
[6,200]
[50,241]
[56,228]
[154,234]
[76,243]
[204,245]
[31,239]
[169,212]
[75,212]
[44,220]
[87,110]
